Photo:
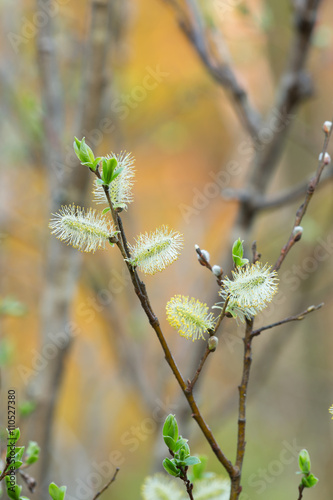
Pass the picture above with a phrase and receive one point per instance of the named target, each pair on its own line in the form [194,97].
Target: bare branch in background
[209,44]
[68,184]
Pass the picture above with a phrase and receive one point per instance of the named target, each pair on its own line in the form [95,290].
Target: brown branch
[297,317]
[107,484]
[300,491]
[293,88]
[313,183]
[191,383]
[201,37]
[141,292]
[242,388]
[29,480]
[281,199]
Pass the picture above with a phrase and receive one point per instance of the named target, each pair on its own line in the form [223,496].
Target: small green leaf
[14,435]
[19,450]
[309,480]
[117,172]
[84,153]
[304,461]
[170,467]
[170,427]
[184,452]
[26,408]
[237,253]
[56,492]
[170,443]
[32,453]
[180,443]
[13,491]
[107,209]
[192,461]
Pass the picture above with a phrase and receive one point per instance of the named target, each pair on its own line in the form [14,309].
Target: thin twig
[107,484]
[290,195]
[29,480]
[297,317]
[191,383]
[300,491]
[283,198]
[5,472]
[242,388]
[313,183]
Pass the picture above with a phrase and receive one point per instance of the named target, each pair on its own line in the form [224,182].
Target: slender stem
[107,484]
[300,491]
[5,472]
[141,292]
[313,183]
[242,388]
[297,317]
[191,383]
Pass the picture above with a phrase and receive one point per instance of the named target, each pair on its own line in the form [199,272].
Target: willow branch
[242,388]
[142,295]
[220,68]
[312,185]
[297,317]
[107,484]
[281,199]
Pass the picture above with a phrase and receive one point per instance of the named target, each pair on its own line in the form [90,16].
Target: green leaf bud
[304,461]
[84,153]
[170,467]
[170,428]
[237,253]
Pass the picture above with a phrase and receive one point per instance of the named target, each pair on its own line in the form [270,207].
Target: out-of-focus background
[99,400]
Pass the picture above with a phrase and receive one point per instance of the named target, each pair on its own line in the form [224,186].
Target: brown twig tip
[107,484]
[255,255]
[29,480]
[297,317]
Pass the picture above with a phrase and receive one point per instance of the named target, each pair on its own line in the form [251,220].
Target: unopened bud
[217,270]
[297,233]
[205,255]
[212,343]
[327,127]
[327,158]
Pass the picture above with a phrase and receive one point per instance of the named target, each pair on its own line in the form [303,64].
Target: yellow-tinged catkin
[189,316]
